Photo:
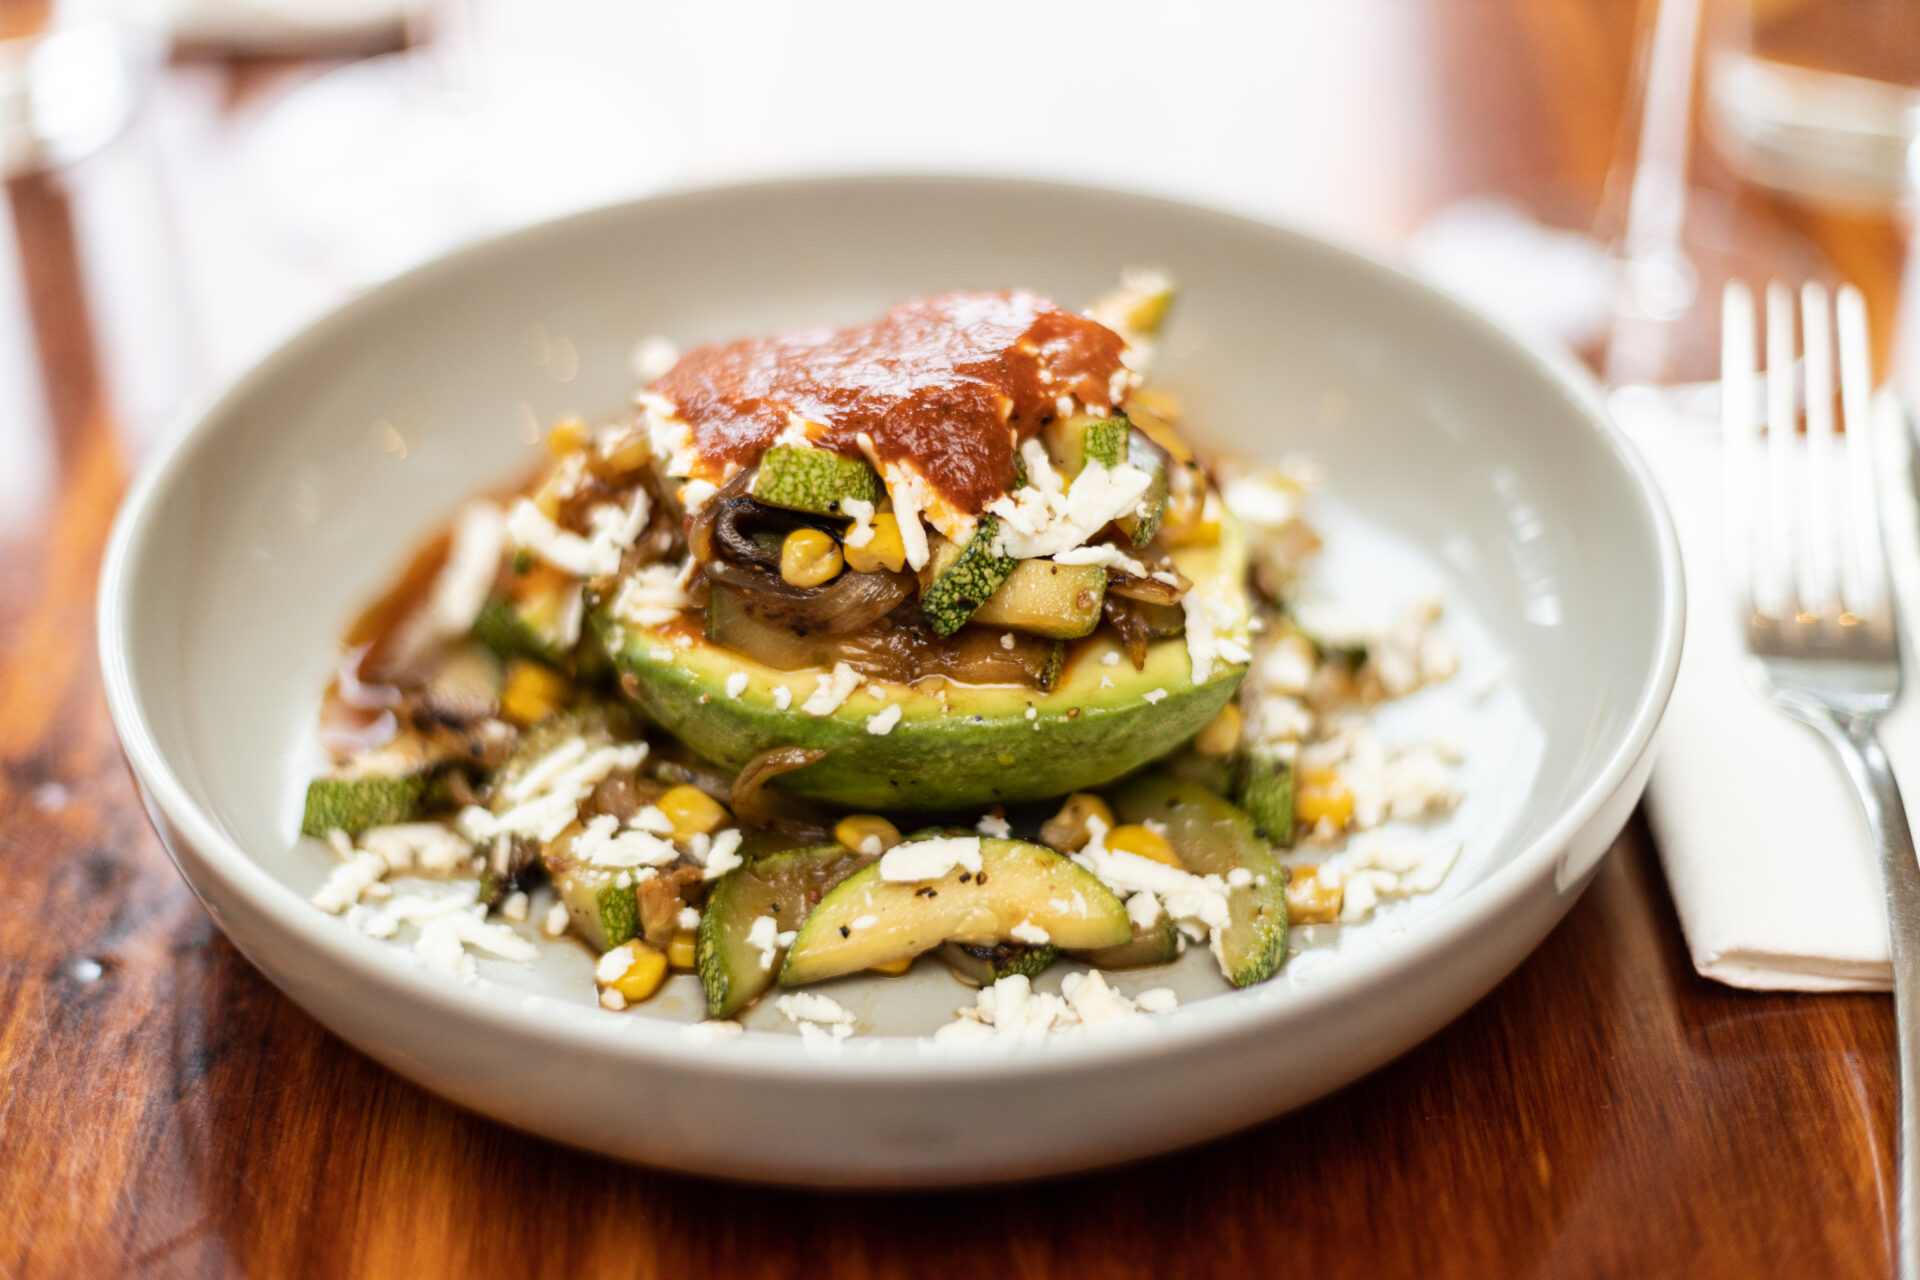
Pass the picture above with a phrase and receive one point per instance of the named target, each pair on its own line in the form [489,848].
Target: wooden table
[163,1110]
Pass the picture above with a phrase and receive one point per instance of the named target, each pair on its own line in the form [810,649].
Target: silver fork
[1808,570]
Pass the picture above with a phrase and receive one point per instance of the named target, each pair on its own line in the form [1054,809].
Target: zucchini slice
[1266,793]
[801,478]
[868,920]
[1158,943]
[957,581]
[602,910]
[1075,441]
[1145,523]
[1213,837]
[382,787]
[735,970]
[984,966]
[1061,601]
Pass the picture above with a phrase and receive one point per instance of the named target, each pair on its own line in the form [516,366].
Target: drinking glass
[1818,98]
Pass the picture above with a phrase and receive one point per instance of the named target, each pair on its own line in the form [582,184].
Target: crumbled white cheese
[689,918]
[736,684]
[602,843]
[863,922]
[1143,909]
[832,690]
[428,847]
[763,935]
[670,434]
[695,494]
[1154,695]
[473,561]
[1106,682]
[614,964]
[881,723]
[1047,516]
[1111,658]
[613,532]
[545,799]
[1196,901]
[1006,640]
[1239,878]
[611,1000]
[1012,1008]
[651,595]
[929,859]
[808,1009]
[1102,553]
[444,940]
[1032,712]
[994,825]
[722,855]
[556,921]
[861,531]
[652,819]
[514,907]
[1030,933]
[782,697]
[350,880]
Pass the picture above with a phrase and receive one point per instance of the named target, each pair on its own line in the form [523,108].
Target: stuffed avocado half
[949,745]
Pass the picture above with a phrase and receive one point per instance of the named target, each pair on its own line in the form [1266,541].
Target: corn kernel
[1310,900]
[644,976]
[532,692]
[1066,831]
[569,435]
[681,951]
[883,551]
[626,456]
[1144,841]
[867,833]
[809,558]
[1332,803]
[1192,520]
[1221,735]
[893,968]
[1323,778]
[692,812]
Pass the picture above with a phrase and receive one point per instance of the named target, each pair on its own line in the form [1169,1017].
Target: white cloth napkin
[1763,843]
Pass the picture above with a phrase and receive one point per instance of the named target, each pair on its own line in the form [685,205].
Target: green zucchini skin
[602,911]
[1076,442]
[800,478]
[984,966]
[354,804]
[1266,793]
[504,630]
[960,588]
[1158,943]
[1213,837]
[785,885]
[1144,454]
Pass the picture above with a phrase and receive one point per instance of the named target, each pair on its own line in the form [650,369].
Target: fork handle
[1854,740]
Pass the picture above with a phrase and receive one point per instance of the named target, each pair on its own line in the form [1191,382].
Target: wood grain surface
[164,1111]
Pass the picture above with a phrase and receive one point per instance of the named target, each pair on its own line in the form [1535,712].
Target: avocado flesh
[975,746]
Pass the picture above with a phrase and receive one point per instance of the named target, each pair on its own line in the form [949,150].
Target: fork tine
[1737,431]
[1822,535]
[1868,597]
[1774,584]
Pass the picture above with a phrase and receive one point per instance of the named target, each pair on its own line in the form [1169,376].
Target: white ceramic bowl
[1458,458]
